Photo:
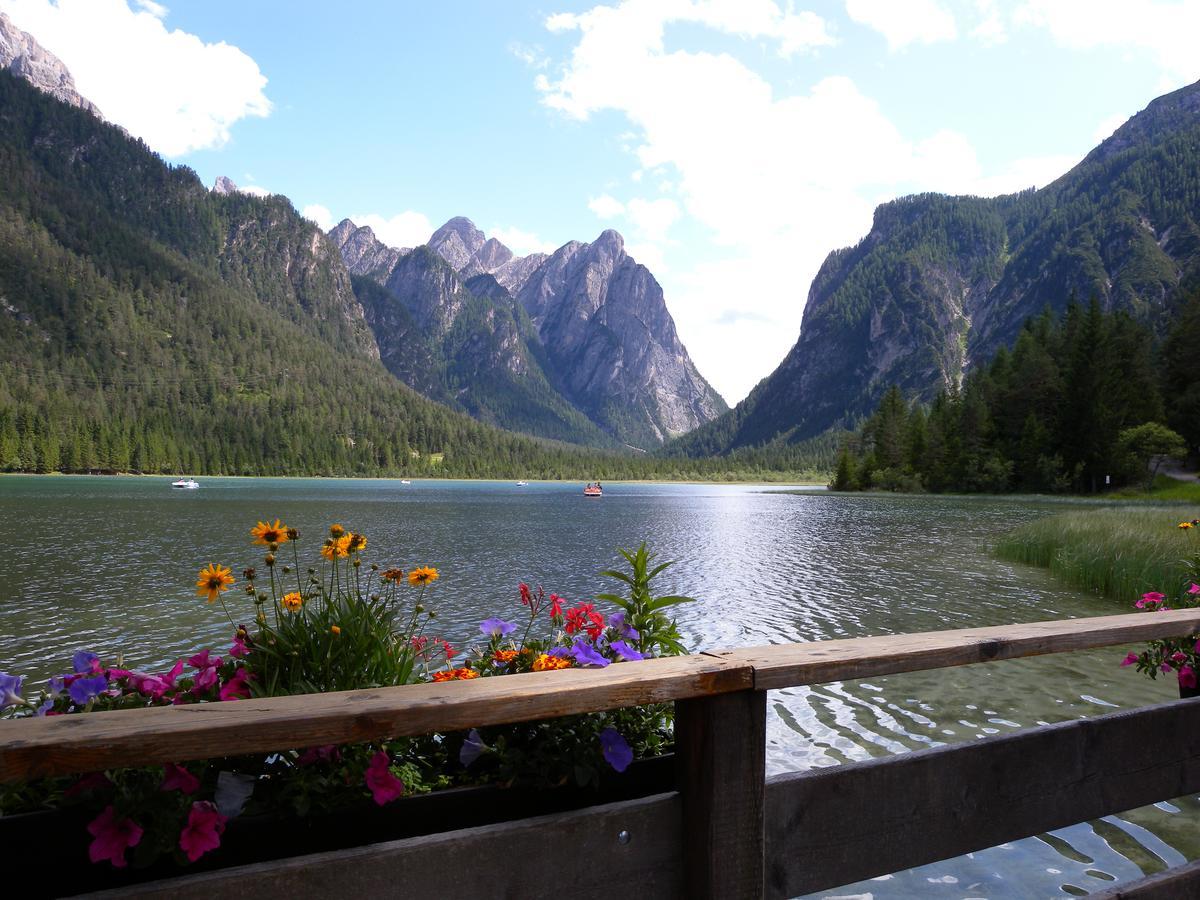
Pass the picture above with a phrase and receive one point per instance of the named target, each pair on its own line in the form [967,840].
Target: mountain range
[941,282]
[576,345]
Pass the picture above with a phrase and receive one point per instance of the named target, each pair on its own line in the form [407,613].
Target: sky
[734,143]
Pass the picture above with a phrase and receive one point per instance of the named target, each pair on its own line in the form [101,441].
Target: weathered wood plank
[786,665]
[1173,884]
[65,744]
[617,850]
[842,824]
[720,753]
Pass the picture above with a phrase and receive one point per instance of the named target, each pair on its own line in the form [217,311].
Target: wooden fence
[725,831]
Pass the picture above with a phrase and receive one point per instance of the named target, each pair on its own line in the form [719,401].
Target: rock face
[606,328]
[577,346]
[943,282]
[26,58]
[224,185]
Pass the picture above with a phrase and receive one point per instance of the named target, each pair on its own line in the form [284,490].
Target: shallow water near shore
[108,564]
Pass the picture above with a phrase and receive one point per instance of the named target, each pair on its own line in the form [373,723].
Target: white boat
[522,484]
[405,481]
[185,483]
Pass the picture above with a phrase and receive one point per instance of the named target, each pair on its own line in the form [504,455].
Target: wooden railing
[726,831]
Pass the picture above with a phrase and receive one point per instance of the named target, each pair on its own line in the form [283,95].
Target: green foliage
[1146,445]
[1118,552]
[657,633]
[1073,406]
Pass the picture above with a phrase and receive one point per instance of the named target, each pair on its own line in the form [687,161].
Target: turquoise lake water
[109,564]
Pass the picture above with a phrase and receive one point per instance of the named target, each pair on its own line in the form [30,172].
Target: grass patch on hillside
[1118,552]
[1164,489]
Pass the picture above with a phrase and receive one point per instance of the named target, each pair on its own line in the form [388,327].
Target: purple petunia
[587,655]
[626,652]
[624,630]
[616,749]
[85,662]
[10,689]
[84,689]
[473,747]
[496,628]
[559,652]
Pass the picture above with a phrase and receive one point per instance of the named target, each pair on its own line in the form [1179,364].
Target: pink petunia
[202,831]
[111,837]
[1193,588]
[1151,599]
[1129,659]
[385,787]
[1187,677]
[177,778]
[237,687]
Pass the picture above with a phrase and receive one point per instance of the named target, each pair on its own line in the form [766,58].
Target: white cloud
[406,229]
[776,179]
[1166,30]
[606,207]
[315,212]
[653,218]
[904,22]
[255,190]
[522,243]
[169,88]
[991,29]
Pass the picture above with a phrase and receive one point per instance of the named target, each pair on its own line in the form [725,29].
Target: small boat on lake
[186,484]
[405,481]
[593,490]
[522,484]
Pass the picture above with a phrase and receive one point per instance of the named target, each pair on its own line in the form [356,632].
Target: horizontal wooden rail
[787,665]
[62,745]
[843,824]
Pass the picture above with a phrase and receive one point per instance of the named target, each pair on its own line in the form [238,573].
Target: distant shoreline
[724,481]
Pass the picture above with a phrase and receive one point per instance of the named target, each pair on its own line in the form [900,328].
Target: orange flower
[357,542]
[504,657]
[394,575]
[292,602]
[422,575]
[463,674]
[547,663]
[336,531]
[336,548]
[265,533]
[213,581]
[334,629]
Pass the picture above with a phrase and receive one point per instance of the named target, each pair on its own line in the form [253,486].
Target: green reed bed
[1118,552]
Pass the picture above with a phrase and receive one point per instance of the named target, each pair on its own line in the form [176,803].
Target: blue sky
[733,142]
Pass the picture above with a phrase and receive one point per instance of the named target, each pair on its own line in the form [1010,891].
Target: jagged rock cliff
[616,362]
[27,59]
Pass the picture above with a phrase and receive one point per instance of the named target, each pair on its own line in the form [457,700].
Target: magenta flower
[1187,677]
[587,655]
[239,648]
[177,778]
[202,661]
[616,749]
[626,652]
[202,831]
[1130,659]
[206,679]
[1193,588]
[385,787]
[237,687]
[111,837]
[328,753]
[93,782]
[1165,667]
[1150,599]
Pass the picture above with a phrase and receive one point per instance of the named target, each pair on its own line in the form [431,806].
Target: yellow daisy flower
[422,575]
[213,581]
[265,533]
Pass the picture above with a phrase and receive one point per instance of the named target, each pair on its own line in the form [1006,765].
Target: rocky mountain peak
[457,242]
[27,59]
[610,243]
[341,231]
[224,185]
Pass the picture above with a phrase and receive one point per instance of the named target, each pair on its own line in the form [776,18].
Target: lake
[109,564]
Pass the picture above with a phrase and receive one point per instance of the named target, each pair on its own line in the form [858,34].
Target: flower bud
[272,546]
[286,569]
[292,534]
[248,574]
[357,562]
[270,559]
[420,607]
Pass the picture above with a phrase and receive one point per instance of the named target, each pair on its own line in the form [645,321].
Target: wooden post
[720,746]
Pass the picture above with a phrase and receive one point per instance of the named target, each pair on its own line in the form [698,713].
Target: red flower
[556,606]
[202,831]
[526,598]
[177,778]
[584,617]
[385,787]
[112,837]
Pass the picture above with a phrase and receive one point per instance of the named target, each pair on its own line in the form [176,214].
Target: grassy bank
[1118,552]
